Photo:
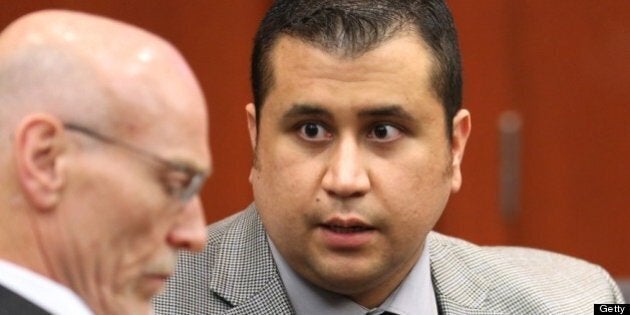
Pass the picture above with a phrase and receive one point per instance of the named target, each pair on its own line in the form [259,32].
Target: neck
[18,241]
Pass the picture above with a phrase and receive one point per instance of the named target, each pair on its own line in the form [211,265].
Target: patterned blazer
[236,274]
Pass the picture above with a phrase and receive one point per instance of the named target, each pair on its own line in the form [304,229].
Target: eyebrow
[397,111]
[299,110]
[393,111]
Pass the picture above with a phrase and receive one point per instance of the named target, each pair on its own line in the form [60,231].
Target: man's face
[353,166]
[126,224]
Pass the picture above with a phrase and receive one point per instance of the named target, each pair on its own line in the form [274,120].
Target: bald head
[108,147]
[82,67]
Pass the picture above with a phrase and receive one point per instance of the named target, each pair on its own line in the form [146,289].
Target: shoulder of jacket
[519,272]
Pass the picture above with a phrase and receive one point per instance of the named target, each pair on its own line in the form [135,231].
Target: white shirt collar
[415,295]
[45,293]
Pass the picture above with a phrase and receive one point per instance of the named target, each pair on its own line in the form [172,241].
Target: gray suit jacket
[236,274]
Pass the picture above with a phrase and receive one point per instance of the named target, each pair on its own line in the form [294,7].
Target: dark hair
[353,27]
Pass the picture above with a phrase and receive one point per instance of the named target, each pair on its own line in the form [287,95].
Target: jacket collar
[458,288]
[250,282]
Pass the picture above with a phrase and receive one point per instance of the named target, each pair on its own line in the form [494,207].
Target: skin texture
[92,216]
[353,142]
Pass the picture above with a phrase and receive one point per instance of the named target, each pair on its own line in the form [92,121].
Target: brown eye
[380,131]
[384,133]
[311,130]
[314,132]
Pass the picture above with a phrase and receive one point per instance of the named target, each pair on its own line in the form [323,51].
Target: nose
[346,176]
[189,232]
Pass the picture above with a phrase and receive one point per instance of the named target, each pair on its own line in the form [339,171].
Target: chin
[138,308]
[135,302]
[346,278]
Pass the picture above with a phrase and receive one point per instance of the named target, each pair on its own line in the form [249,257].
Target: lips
[152,284]
[348,225]
[346,233]
[164,276]
[343,229]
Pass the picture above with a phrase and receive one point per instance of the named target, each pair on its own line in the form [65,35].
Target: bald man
[103,151]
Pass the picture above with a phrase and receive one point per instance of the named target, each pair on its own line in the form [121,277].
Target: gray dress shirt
[413,296]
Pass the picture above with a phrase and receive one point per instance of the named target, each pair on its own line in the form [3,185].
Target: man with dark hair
[358,135]
[104,149]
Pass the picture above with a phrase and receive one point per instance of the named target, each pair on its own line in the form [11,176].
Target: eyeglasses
[195,178]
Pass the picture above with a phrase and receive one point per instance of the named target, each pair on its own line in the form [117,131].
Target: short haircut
[353,27]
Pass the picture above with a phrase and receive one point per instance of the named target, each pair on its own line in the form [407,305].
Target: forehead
[396,72]
[162,107]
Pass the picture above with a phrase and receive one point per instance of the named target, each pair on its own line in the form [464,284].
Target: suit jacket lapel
[12,303]
[246,275]
[458,289]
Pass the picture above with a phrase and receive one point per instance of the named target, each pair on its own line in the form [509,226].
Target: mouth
[347,225]
[346,234]
[158,279]
[164,276]
[346,229]
[153,283]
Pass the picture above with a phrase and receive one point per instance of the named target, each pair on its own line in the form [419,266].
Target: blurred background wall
[547,83]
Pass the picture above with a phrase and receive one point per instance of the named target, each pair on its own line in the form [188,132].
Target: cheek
[286,174]
[414,190]
[134,227]
[143,230]
[285,187]
[142,250]
[138,239]
[119,218]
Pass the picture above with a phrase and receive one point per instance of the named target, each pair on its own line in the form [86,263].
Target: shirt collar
[57,298]
[415,295]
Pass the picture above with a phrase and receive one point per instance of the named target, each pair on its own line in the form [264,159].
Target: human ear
[461,132]
[253,135]
[251,124]
[38,146]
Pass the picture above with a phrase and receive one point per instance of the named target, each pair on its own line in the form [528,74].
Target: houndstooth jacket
[236,274]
